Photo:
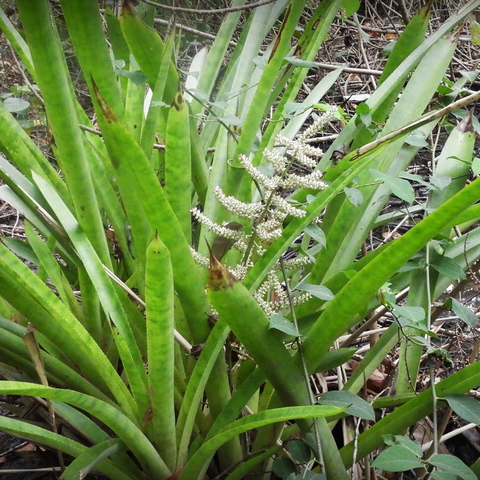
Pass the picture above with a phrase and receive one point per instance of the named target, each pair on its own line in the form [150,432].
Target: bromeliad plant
[126,336]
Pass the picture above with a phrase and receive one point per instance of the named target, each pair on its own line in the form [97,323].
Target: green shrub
[123,328]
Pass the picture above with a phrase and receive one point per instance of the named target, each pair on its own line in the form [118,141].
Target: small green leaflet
[118,63]
[417,139]
[231,120]
[316,233]
[448,267]
[159,103]
[470,75]
[415,314]
[442,476]
[397,458]
[440,354]
[261,61]
[476,166]
[319,291]
[283,467]
[298,62]
[453,465]
[363,112]
[440,182]
[354,196]
[387,49]
[16,105]
[414,447]
[306,474]
[465,406]
[137,77]
[293,108]
[415,178]
[350,6]
[461,311]
[299,451]
[357,406]
[200,94]
[278,322]
[400,188]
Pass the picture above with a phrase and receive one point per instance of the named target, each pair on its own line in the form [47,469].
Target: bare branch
[216,10]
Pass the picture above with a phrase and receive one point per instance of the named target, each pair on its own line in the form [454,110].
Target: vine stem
[298,341]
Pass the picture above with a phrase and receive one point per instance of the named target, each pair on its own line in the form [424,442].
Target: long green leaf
[89,459]
[126,430]
[85,27]
[411,412]
[57,91]
[24,290]
[178,167]
[248,423]
[17,42]
[90,430]
[159,299]
[339,314]
[132,358]
[57,442]
[134,173]
[147,48]
[22,151]
[195,388]
[235,304]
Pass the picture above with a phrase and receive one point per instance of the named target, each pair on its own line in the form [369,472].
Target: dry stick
[374,10]
[24,76]
[449,435]
[380,312]
[463,102]
[403,11]
[215,10]
[157,146]
[182,341]
[361,71]
[32,470]
[374,29]
[362,48]
[199,33]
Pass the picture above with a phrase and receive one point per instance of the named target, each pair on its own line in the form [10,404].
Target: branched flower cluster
[268,214]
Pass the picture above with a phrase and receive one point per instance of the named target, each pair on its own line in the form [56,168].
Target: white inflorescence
[294,263]
[200,259]
[214,227]
[287,208]
[268,215]
[313,181]
[318,124]
[244,210]
[268,183]
[269,230]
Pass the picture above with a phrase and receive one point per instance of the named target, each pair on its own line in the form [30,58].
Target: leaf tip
[466,125]
[219,277]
